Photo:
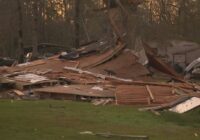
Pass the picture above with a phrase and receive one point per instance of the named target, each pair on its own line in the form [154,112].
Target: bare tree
[77,24]
[35,29]
[20,31]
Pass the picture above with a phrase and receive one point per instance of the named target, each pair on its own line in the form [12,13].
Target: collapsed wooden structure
[113,74]
[99,72]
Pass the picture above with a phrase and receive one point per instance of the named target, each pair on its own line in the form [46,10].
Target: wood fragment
[78,63]
[111,135]
[117,80]
[101,76]
[148,101]
[155,112]
[134,137]
[116,100]
[150,93]
[182,87]
[110,55]
[158,64]
[18,92]
[31,64]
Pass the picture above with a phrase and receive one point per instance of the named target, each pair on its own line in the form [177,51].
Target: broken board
[186,106]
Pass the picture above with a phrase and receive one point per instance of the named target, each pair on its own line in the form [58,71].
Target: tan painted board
[186,106]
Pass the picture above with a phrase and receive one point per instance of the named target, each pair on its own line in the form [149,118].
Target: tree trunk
[77,24]
[65,10]
[20,32]
[183,17]
[35,30]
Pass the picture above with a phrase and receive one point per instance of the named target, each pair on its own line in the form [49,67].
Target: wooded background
[26,23]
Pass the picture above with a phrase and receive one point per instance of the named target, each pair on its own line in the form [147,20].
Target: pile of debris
[103,72]
[112,75]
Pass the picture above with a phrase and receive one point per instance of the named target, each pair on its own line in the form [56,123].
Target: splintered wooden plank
[4,80]
[31,64]
[95,60]
[150,93]
[6,83]
[24,85]
[18,92]
[158,64]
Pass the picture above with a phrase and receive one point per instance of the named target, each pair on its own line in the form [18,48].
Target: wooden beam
[150,93]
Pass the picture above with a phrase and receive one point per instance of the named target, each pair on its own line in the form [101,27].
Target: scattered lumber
[117,80]
[185,88]
[76,70]
[107,68]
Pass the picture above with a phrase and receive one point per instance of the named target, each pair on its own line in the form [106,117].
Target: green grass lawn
[35,120]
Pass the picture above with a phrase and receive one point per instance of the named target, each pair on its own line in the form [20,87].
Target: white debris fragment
[186,106]
[87,133]
[97,88]
[32,78]
[192,65]
[24,64]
